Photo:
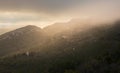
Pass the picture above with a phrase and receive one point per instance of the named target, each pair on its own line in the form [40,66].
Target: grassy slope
[98,53]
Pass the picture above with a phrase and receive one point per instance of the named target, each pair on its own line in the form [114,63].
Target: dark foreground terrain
[96,50]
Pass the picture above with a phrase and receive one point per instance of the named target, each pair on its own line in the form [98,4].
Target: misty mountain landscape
[31,49]
[59,36]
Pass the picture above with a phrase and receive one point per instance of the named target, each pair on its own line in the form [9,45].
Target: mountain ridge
[21,38]
[95,50]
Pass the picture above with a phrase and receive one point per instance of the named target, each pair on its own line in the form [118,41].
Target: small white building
[27,53]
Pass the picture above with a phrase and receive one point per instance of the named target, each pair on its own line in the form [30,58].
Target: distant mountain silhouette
[69,28]
[22,38]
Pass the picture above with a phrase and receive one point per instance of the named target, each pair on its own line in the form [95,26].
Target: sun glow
[18,19]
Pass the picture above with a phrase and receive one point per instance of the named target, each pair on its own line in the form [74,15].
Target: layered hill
[20,39]
[95,50]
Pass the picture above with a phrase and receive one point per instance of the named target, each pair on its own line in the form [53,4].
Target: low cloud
[18,13]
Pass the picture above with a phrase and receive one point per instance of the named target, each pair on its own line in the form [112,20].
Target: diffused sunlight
[15,14]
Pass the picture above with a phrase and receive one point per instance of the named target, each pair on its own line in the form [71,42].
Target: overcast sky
[18,13]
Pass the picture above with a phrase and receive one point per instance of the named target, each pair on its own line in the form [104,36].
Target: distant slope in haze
[22,38]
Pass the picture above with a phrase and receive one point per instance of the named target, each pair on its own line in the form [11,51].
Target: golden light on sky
[17,19]
[18,13]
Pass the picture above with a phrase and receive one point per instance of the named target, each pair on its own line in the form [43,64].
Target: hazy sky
[18,13]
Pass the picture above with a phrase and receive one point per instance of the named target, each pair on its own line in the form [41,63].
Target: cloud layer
[36,5]
[18,13]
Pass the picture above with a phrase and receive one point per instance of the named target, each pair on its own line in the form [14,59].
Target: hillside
[20,39]
[95,50]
